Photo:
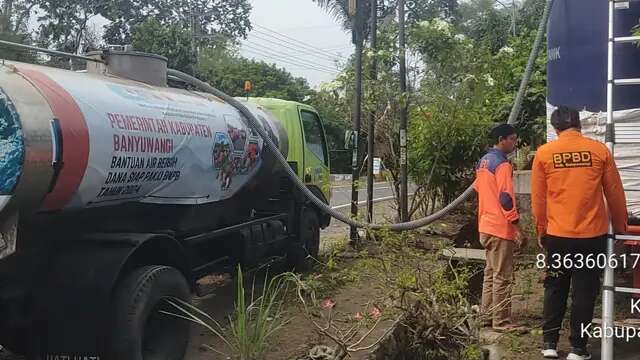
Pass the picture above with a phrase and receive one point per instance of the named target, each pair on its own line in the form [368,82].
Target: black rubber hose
[411,225]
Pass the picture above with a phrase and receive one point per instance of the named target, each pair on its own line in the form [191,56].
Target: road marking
[365,201]
[364,190]
[349,186]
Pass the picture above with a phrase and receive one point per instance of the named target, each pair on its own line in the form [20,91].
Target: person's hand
[540,236]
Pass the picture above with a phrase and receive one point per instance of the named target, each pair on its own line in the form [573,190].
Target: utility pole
[194,37]
[513,16]
[404,198]
[372,114]
[355,10]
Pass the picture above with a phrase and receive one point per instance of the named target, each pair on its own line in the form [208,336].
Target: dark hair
[500,131]
[564,118]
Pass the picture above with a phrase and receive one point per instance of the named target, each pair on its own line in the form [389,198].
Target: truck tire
[140,331]
[14,346]
[307,245]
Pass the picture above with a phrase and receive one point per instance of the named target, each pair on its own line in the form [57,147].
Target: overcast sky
[299,36]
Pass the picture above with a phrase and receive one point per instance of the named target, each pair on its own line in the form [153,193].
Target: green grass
[256,318]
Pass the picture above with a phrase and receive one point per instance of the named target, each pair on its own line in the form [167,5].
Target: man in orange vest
[498,227]
[571,177]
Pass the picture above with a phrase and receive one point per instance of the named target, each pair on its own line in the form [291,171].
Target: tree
[507,68]
[417,10]
[484,23]
[447,136]
[14,17]
[449,120]
[530,14]
[64,23]
[16,54]
[421,10]
[228,72]
[171,41]
[204,18]
[339,9]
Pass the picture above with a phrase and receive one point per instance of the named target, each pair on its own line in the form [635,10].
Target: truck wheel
[140,331]
[17,345]
[307,245]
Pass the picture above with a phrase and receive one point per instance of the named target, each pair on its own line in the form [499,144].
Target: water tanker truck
[118,191]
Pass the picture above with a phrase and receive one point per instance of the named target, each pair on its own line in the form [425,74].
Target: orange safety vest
[497,211]
[568,181]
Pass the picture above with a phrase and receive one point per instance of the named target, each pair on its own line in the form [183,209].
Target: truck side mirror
[348,139]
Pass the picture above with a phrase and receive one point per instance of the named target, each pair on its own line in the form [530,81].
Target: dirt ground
[355,295]
[299,335]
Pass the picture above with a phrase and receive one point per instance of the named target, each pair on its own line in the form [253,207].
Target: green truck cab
[308,151]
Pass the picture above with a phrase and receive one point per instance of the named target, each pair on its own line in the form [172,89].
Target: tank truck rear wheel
[17,345]
[306,247]
[140,330]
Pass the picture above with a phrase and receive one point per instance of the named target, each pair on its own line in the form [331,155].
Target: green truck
[118,191]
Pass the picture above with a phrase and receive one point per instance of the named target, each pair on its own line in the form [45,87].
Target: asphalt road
[341,195]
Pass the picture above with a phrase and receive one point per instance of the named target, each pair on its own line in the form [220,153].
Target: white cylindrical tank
[73,141]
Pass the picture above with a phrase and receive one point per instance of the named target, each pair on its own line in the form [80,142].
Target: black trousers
[584,283]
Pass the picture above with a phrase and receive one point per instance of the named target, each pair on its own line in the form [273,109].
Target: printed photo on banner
[251,156]
[237,132]
[221,149]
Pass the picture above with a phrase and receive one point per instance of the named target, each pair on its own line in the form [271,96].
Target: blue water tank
[577,51]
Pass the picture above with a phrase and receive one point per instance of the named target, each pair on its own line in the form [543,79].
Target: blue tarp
[11,146]
[577,51]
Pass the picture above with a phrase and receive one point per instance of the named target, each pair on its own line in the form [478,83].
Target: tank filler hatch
[133,65]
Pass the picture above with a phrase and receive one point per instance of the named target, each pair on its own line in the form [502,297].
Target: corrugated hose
[411,225]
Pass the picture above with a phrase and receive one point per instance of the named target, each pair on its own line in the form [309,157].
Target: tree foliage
[14,16]
[228,72]
[64,24]
[204,18]
[170,41]
[485,24]
[460,98]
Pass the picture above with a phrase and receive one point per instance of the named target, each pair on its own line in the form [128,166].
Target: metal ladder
[628,134]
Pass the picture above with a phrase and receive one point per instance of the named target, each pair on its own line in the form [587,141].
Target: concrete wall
[522,182]
[522,189]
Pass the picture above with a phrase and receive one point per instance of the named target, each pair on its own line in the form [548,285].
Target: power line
[292,47]
[286,45]
[303,44]
[261,50]
[265,49]
[288,62]
[338,47]
[300,60]
[297,46]
[309,27]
